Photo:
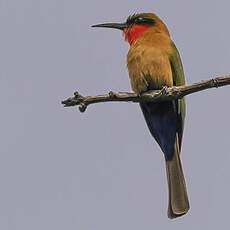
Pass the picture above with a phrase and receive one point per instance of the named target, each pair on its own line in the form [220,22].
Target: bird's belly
[149,69]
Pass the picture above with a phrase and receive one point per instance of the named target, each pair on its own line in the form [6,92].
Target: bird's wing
[178,79]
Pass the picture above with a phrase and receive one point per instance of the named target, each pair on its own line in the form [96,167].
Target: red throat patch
[132,33]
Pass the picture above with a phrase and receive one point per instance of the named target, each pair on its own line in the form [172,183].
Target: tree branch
[165,94]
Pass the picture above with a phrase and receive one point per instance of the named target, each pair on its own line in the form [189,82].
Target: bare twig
[165,94]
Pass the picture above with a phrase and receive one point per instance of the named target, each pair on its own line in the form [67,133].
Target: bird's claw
[164,90]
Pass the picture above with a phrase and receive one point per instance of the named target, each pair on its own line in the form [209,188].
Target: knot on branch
[78,99]
[82,107]
[215,82]
[112,95]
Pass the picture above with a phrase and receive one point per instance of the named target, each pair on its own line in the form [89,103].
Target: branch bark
[165,94]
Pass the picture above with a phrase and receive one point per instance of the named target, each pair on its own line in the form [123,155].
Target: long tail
[178,198]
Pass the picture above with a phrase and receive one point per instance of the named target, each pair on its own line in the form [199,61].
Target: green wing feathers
[178,79]
[178,198]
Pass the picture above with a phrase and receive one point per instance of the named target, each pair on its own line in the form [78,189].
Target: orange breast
[148,63]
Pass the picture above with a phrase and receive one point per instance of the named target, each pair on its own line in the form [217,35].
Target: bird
[154,62]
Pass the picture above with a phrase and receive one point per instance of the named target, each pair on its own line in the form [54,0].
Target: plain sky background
[101,170]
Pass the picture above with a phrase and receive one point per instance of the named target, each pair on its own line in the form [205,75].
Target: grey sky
[60,169]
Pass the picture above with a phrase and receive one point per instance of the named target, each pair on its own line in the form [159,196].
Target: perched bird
[153,62]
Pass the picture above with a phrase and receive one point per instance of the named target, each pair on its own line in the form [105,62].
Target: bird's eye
[140,20]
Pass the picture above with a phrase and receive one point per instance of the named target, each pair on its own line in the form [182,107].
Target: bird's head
[136,24]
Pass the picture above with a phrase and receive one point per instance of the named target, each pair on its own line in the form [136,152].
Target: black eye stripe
[140,20]
[144,20]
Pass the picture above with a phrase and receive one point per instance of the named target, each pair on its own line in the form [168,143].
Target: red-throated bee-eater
[153,62]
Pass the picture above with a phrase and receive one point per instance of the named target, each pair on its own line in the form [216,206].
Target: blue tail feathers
[162,122]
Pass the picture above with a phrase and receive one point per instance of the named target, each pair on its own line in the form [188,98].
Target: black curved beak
[119,26]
